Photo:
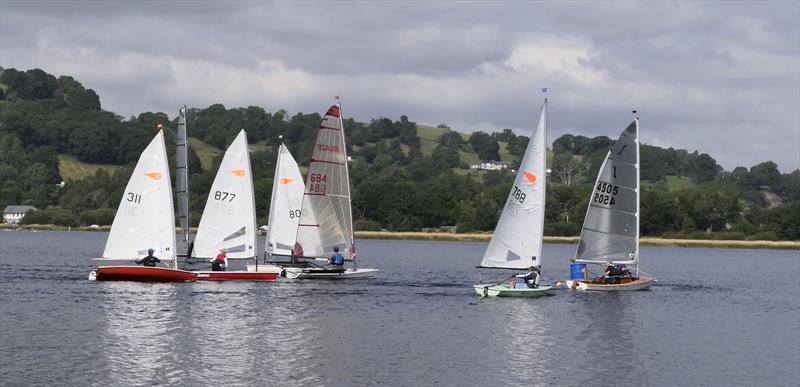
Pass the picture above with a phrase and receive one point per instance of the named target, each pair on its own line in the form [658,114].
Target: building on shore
[13,214]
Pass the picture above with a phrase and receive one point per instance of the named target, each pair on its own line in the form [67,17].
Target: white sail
[611,227]
[182,178]
[285,204]
[145,217]
[327,219]
[517,239]
[229,219]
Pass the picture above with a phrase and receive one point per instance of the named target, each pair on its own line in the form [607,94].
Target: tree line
[395,184]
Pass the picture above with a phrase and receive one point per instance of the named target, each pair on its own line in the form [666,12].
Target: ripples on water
[418,323]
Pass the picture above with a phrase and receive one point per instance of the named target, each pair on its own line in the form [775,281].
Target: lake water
[717,317]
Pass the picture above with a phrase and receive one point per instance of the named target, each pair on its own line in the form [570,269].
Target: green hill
[205,152]
[71,169]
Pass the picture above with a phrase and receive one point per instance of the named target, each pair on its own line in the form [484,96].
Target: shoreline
[485,237]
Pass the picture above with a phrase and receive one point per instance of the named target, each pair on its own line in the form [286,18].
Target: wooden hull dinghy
[610,233]
[641,283]
[502,290]
[141,274]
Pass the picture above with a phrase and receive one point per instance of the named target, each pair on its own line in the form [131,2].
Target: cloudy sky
[718,77]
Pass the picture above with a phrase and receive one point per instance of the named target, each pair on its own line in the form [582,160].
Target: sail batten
[326,199]
[145,217]
[229,218]
[285,204]
[517,239]
[611,226]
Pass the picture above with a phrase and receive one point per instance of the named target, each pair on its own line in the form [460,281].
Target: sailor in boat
[337,260]
[149,260]
[530,279]
[220,263]
[613,274]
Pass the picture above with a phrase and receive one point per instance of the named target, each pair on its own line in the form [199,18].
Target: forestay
[229,219]
[285,205]
[611,227]
[326,220]
[517,239]
[145,217]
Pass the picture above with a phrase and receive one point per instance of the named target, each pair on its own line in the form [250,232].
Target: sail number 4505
[604,193]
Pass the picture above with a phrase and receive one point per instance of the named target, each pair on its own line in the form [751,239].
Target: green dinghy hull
[506,291]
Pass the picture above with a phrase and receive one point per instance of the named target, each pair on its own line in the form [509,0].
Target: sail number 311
[604,193]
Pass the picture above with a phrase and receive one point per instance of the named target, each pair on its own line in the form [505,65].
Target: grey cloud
[705,75]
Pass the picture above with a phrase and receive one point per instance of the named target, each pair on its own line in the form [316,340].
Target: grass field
[71,169]
[205,152]
[678,182]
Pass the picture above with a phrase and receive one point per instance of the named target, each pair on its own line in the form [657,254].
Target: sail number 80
[294,214]
[518,195]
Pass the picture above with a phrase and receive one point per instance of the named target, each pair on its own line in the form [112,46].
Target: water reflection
[607,330]
[220,325]
[139,338]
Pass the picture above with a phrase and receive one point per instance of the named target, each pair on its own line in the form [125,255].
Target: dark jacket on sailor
[529,278]
[149,260]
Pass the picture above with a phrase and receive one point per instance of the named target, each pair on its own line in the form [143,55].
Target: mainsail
[326,220]
[611,227]
[182,178]
[284,209]
[229,219]
[517,239]
[145,217]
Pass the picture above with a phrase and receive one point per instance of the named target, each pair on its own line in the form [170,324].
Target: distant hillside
[404,176]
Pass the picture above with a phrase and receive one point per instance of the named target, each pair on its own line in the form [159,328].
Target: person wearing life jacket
[611,273]
[220,263]
[531,278]
[149,260]
[337,259]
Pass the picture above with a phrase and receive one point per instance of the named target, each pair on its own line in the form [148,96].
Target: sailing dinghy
[326,218]
[229,219]
[610,233]
[517,240]
[284,209]
[145,219]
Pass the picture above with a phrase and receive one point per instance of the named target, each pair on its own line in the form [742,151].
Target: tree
[485,145]
[568,169]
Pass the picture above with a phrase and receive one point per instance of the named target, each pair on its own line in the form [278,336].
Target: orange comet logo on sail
[237,172]
[153,175]
[529,176]
[286,180]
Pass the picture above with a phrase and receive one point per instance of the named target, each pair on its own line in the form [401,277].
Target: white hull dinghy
[517,240]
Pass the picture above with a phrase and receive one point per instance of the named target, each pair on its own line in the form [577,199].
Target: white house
[13,214]
[490,166]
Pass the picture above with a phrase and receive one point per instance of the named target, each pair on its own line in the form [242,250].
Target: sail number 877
[224,196]
[518,195]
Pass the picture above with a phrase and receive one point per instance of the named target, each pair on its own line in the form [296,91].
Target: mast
[182,178]
[352,249]
[638,193]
